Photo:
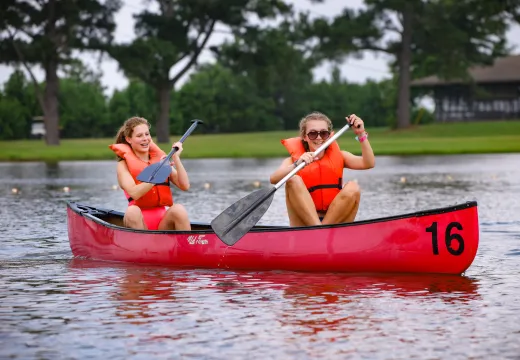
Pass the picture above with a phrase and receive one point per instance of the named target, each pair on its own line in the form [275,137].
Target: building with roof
[490,93]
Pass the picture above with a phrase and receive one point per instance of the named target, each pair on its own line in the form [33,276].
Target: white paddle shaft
[318,150]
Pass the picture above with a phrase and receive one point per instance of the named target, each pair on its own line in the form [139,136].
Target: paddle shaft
[318,150]
[281,182]
[174,149]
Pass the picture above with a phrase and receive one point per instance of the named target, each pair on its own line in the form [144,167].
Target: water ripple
[53,306]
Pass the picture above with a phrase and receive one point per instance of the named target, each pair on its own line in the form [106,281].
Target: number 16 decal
[449,238]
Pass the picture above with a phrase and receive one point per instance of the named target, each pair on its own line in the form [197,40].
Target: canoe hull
[434,241]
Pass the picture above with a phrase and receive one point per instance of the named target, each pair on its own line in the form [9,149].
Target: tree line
[261,79]
[226,102]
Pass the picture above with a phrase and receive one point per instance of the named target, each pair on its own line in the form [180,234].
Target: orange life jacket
[323,178]
[159,195]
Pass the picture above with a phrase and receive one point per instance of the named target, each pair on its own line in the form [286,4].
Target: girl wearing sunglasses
[316,194]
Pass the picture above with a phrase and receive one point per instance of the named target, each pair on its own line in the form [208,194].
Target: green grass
[462,138]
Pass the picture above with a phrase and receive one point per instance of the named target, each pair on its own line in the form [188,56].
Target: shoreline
[54,160]
[497,137]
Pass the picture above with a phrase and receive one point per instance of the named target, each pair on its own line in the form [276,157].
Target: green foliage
[137,99]
[17,104]
[454,35]
[425,37]
[13,119]
[447,36]
[180,31]
[276,62]
[372,101]
[83,109]
[46,33]
[263,77]
[52,29]
[224,101]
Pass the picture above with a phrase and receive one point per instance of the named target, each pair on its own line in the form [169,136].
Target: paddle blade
[156,173]
[239,218]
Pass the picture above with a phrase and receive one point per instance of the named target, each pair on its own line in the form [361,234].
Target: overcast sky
[372,66]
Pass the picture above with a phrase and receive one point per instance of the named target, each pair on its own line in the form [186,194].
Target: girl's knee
[133,212]
[351,190]
[295,182]
[177,211]
[134,218]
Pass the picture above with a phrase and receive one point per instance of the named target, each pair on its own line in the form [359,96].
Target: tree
[44,33]
[441,37]
[279,61]
[83,107]
[231,102]
[17,106]
[136,100]
[176,35]
[338,98]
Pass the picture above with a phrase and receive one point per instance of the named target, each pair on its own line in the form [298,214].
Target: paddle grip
[350,123]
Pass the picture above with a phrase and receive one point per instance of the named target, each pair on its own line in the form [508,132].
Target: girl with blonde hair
[317,195]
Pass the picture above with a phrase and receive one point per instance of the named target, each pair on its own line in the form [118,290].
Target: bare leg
[345,205]
[300,206]
[176,218]
[134,218]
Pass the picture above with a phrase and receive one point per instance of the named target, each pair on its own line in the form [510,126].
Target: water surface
[53,306]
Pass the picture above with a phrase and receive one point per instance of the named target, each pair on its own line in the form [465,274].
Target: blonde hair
[315,115]
[128,128]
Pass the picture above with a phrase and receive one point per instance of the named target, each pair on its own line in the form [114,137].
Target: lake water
[55,307]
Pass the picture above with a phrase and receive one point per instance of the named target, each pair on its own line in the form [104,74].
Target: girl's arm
[179,176]
[127,183]
[285,168]
[365,161]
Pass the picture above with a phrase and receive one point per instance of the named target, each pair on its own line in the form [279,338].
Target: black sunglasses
[313,135]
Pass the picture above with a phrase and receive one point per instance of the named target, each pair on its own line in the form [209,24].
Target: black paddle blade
[239,218]
[156,173]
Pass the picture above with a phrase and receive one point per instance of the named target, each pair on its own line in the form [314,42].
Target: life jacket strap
[339,185]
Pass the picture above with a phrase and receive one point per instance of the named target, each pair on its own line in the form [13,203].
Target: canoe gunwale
[90,212]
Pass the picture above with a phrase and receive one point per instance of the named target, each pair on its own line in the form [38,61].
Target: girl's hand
[179,149]
[306,157]
[357,124]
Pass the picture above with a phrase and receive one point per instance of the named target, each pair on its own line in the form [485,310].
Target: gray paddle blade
[156,173]
[234,222]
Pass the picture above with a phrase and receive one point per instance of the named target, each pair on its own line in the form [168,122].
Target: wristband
[362,138]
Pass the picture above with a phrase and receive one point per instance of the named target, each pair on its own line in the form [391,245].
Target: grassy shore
[463,138]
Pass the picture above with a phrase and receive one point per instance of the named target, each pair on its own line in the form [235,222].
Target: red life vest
[159,195]
[323,178]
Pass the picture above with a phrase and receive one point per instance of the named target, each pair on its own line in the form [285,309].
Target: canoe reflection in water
[309,303]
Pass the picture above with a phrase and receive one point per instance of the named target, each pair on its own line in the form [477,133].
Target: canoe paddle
[234,222]
[158,172]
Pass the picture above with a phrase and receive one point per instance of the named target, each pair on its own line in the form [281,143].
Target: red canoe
[441,240]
